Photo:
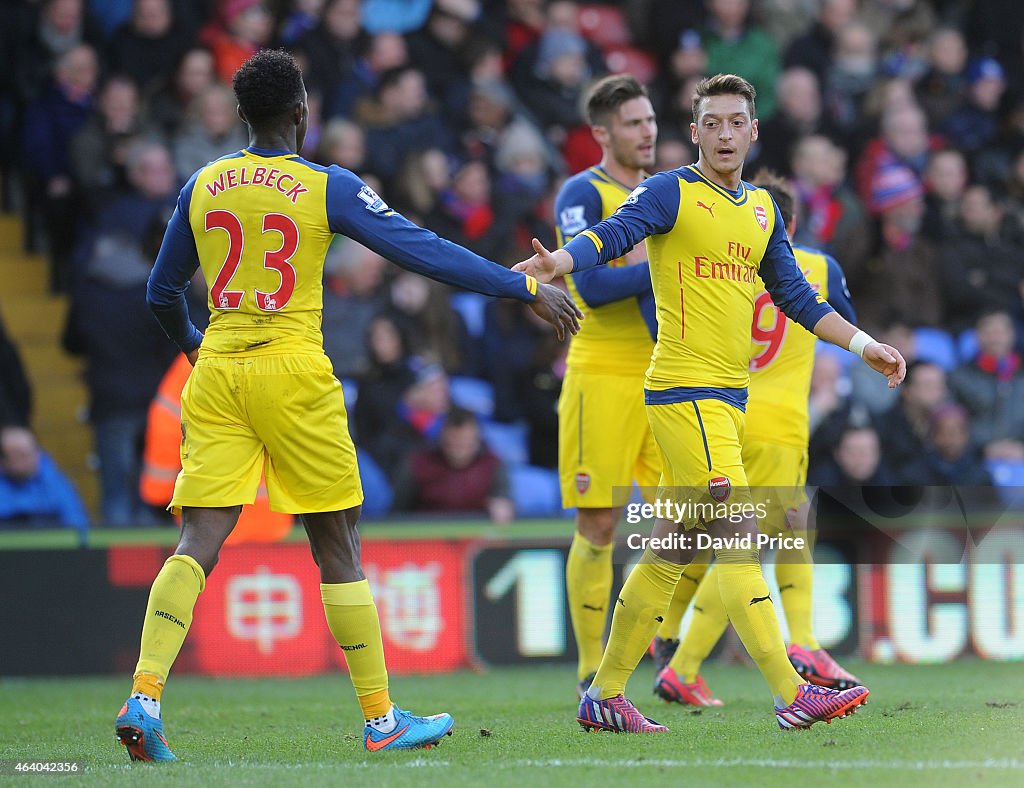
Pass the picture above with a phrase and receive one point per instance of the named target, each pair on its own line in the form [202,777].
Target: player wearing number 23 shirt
[259,222]
[263,396]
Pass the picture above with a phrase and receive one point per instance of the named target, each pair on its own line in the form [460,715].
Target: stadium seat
[1008,476]
[351,389]
[535,491]
[470,307]
[377,493]
[967,345]
[509,441]
[473,394]
[630,60]
[605,25]
[936,346]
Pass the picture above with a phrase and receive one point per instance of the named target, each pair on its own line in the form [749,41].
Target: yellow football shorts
[700,446]
[604,440]
[777,474]
[282,412]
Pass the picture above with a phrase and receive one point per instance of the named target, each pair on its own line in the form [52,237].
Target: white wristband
[860,341]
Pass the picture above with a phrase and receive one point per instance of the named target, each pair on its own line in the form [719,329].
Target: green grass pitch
[954,724]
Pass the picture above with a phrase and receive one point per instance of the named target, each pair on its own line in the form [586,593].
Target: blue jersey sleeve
[786,283]
[602,285]
[577,207]
[650,209]
[175,264]
[649,312]
[838,293]
[355,210]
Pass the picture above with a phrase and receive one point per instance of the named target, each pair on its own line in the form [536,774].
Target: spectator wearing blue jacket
[33,491]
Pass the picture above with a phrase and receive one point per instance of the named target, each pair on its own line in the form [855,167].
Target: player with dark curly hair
[263,399]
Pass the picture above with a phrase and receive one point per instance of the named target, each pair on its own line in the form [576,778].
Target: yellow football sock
[685,589]
[352,619]
[168,617]
[588,583]
[147,684]
[796,584]
[639,610]
[709,622]
[750,609]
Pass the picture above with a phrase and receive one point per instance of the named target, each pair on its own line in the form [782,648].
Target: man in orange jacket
[161,463]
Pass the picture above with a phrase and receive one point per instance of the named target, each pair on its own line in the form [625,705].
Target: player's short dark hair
[723,85]
[608,94]
[268,85]
[782,192]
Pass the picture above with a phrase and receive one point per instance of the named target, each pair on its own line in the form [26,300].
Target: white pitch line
[415,763]
[992,763]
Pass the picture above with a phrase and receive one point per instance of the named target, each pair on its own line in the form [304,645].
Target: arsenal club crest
[582,482]
[720,488]
[762,217]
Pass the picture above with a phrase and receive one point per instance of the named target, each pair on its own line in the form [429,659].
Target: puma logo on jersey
[709,208]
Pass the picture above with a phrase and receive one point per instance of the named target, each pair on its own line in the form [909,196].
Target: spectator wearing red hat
[902,271]
[904,140]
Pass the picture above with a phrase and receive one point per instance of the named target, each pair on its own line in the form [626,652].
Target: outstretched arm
[579,205]
[882,358]
[355,210]
[795,297]
[651,209]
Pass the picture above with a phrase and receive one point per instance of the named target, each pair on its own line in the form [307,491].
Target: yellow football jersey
[707,247]
[259,222]
[614,337]
[782,356]
[262,234]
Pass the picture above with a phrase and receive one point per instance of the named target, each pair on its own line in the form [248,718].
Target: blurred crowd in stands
[901,123]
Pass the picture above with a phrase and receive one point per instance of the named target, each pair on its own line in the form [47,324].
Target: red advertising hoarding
[261,612]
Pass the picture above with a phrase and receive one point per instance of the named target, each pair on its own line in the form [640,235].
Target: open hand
[557,307]
[887,360]
[544,265]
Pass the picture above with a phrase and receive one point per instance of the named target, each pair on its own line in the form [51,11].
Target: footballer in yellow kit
[710,238]
[259,221]
[781,362]
[775,456]
[604,439]
[262,221]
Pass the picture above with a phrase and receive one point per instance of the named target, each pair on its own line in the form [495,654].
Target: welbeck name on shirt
[270,177]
